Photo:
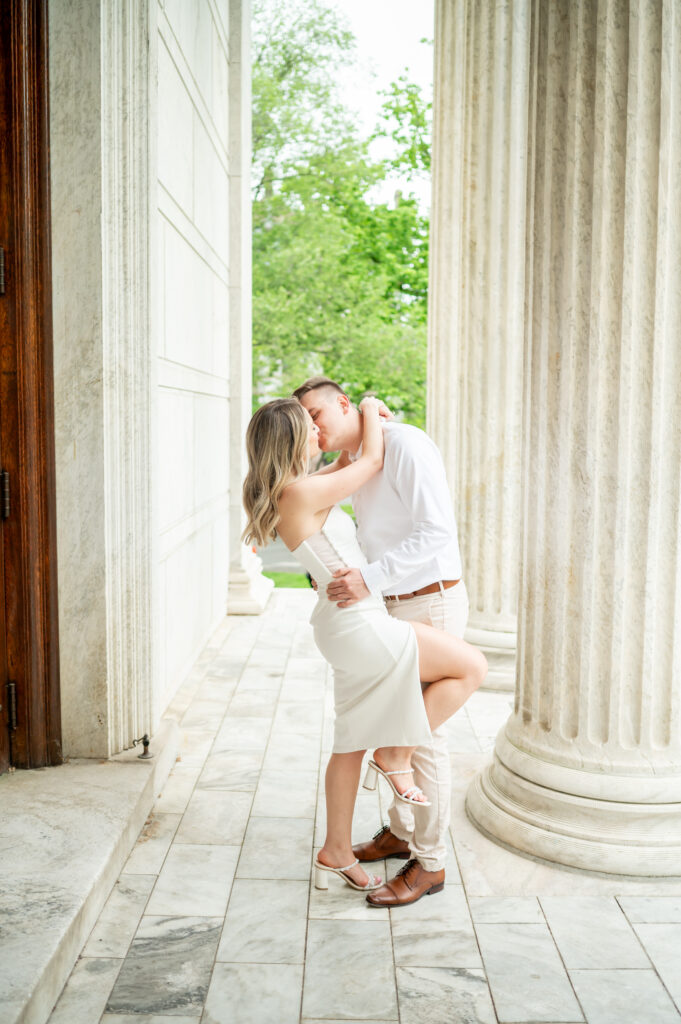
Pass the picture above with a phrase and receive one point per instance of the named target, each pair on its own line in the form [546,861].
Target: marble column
[249,590]
[476,312]
[587,771]
[100,75]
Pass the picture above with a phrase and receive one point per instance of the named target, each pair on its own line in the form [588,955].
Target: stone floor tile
[591,932]
[306,668]
[296,689]
[86,992]
[203,713]
[153,843]
[662,943]
[118,921]
[195,746]
[215,817]
[194,881]
[662,909]
[298,716]
[149,1018]
[276,848]
[292,752]
[168,968]
[621,997]
[309,1020]
[505,910]
[266,922]
[260,679]
[265,656]
[460,735]
[349,970]
[435,932]
[525,973]
[237,770]
[342,903]
[254,994]
[440,995]
[253,704]
[177,790]
[285,795]
[247,733]
[216,688]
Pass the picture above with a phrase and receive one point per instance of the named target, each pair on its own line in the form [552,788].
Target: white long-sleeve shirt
[405,519]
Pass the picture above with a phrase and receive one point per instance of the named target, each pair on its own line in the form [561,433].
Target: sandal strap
[399,771]
[349,867]
[413,791]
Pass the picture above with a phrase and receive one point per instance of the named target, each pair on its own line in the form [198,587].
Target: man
[407,531]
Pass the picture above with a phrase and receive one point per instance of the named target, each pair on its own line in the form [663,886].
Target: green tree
[339,281]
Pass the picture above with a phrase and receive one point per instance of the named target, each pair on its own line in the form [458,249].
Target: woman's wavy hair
[277,443]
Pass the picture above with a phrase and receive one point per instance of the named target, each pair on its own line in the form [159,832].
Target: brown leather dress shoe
[409,884]
[384,844]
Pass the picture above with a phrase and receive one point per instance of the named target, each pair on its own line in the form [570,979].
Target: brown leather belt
[432,588]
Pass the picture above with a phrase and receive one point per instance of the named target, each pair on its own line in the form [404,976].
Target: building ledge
[65,834]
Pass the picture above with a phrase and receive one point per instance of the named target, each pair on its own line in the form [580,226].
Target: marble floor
[214,918]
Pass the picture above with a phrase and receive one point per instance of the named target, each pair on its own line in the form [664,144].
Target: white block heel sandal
[409,795]
[322,882]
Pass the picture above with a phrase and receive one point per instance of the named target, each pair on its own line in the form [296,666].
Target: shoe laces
[382,830]
[406,868]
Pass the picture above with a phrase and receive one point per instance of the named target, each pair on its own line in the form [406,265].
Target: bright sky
[388,34]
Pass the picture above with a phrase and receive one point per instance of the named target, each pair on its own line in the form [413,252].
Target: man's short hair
[312,383]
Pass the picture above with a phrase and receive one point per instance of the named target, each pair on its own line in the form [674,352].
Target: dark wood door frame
[28,536]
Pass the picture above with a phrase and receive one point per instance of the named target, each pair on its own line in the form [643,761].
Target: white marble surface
[247,994]
[348,970]
[476,315]
[587,771]
[526,976]
[194,880]
[610,997]
[65,834]
[501,933]
[266,922]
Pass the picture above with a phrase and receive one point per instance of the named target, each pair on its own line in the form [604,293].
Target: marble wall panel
[194,284]
[175,132]
[188,287]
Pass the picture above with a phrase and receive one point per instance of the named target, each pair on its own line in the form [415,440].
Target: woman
[379,662]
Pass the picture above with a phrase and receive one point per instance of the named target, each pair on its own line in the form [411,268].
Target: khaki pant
[426,830]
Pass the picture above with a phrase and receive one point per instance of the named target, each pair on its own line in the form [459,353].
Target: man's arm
[418,474]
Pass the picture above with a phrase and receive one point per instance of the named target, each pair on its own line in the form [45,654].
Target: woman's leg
[451,668]
[342,780]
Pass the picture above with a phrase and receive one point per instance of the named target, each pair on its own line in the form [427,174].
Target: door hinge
[4,494]
[12,705]
[2,271]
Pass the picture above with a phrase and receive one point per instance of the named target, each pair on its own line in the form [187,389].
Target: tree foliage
[339,280]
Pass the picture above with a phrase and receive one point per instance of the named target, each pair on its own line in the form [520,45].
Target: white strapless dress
[378,698]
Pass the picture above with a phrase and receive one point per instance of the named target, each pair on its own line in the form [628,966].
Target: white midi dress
[377,690]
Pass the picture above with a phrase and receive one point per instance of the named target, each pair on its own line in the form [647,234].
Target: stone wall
[192,337]
[150,151]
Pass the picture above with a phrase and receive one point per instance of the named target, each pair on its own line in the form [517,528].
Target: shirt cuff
[374,577]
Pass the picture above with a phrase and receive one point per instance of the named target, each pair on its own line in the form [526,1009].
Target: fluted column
[587,770]
[249,590]
[477,298]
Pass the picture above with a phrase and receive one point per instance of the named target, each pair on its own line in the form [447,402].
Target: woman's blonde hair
[277,443]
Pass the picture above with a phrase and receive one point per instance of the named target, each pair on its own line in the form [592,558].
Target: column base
[641,839]
[500,650]
[249,590]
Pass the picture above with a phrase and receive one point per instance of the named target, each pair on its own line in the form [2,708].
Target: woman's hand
[370,403]
[384,412]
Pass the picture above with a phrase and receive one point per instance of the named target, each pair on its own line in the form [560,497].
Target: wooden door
[30,726]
